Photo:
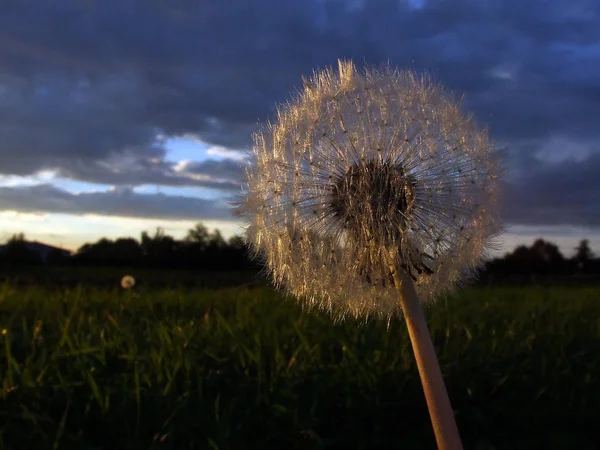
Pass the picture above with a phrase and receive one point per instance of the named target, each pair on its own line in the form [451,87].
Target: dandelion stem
[438,403]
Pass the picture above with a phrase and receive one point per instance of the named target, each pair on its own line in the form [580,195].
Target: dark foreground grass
[237,369]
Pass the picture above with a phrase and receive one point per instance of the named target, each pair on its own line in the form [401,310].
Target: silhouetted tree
[17,253]
[541,258]
[236,243]
[583,261]
[160,250]
[128,252]
[216,241]
[56,257]
[198,235]
[583,252]
[553,260]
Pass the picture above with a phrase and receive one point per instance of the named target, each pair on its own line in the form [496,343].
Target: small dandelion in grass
[364,168]
[127,282]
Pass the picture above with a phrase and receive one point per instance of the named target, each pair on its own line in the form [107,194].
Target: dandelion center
[376,198]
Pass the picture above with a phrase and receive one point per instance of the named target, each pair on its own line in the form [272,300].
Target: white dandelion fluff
[366,168]
[127,282]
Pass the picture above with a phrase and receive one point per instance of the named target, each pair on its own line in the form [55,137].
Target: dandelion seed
[127,282]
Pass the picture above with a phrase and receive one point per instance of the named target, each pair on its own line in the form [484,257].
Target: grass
[91,368]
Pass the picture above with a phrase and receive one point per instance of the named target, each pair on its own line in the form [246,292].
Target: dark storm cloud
[132,169]
[564,193]
[81,82]
[121,202]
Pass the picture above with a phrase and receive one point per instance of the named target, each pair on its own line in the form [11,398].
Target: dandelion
[370,191]
[127,282]
[364,169]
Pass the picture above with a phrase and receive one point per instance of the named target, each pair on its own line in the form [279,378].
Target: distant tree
[160,250]
[519,261]
[236,243]
[239,255]
[206,250]
[127,252]
[193,249]
[216,241]
[542,257]
[583,252]
[105,252]
[17,253]
[583,259]
[198,235]
[548,252]
[99,253]
[56,257]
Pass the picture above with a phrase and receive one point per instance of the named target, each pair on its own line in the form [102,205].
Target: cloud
[122,202]
[131,169]
[559,193]
[175,68]
[86,87]
[225,169]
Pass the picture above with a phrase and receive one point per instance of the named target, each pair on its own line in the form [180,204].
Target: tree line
[199,249]
[544,258]
[206,250]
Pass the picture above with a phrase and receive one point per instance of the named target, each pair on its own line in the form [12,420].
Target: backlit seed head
[366,167]
[127,282]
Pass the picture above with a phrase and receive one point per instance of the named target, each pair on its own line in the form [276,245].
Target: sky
[118,117]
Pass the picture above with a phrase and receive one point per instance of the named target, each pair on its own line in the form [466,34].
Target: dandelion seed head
[361,168]
[127,282]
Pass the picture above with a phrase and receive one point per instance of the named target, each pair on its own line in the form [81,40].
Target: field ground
[99,368]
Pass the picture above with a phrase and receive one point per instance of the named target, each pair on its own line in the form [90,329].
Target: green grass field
[91,368]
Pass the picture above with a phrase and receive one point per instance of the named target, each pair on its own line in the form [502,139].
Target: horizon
[566,246]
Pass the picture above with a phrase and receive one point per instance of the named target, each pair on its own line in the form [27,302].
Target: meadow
[88,367]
